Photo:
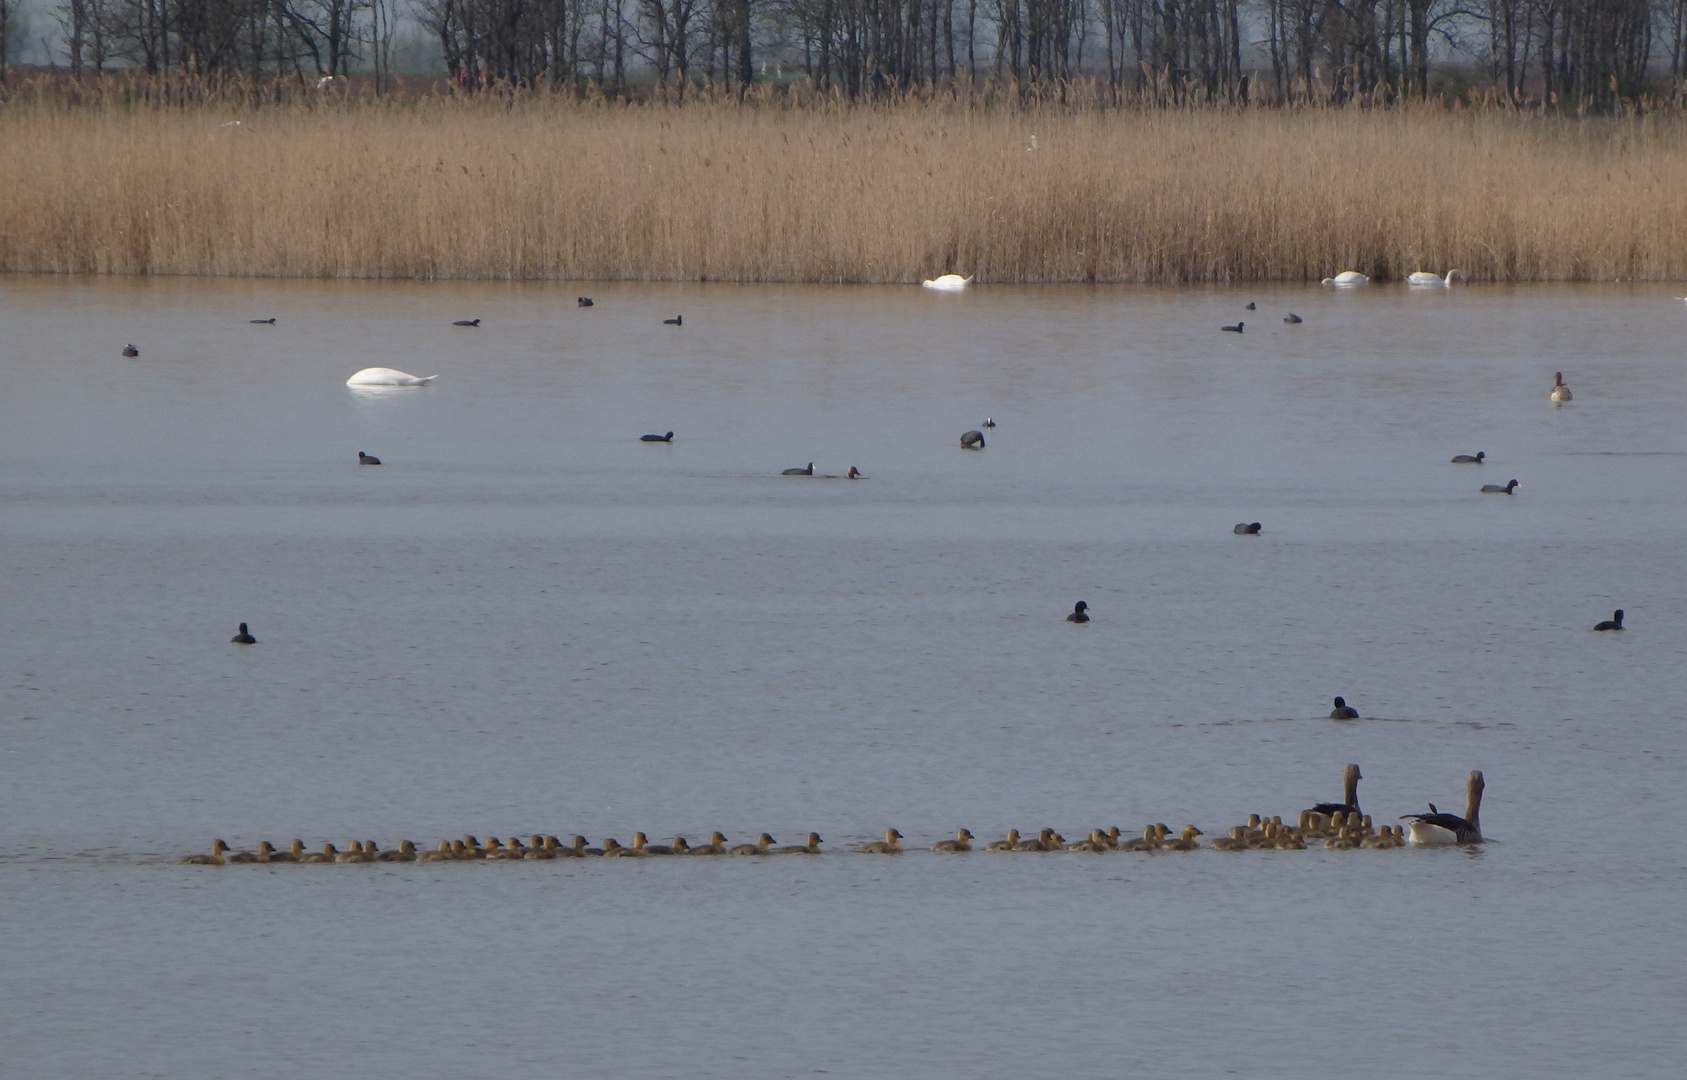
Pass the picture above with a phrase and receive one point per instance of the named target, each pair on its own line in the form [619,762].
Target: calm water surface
[527,620]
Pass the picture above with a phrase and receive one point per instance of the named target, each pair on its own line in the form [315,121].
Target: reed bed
[548,188]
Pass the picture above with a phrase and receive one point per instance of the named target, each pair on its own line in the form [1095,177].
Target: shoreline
[556,190]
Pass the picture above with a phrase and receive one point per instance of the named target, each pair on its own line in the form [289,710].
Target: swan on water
[386,376]
[1438,828]
[1424,277]
[1560,392]
[1347,277]
[947,282]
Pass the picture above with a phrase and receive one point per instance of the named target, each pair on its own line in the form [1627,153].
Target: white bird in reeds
[325,82]
[1347,277]
[386,376]
[948,282]
[1031,145]
[1424,277]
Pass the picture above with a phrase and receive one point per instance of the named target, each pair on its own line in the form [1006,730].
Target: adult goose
[1350,778]
[1560,393]
[1237,329]
[466,322]
[1438,828]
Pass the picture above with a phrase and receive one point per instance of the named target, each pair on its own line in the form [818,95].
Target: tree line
[1576,53]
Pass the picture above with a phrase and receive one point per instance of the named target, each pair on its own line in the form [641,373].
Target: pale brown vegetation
[542,187]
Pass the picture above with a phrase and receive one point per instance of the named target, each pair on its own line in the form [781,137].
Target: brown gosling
[1185,842]
[961,842]
[580,847]
[680,846]
[267,854]
[1112,836]
[812,847]
[1047,840]
[247,856]
[328,854]
[1236,840]
[1010,844]
[1095,841]
[763,846]
[613,849]
[442,853]
[1148,841]
[715,846]
[648,848]
[354,854]
[213,859]
[890,845]
[295,851]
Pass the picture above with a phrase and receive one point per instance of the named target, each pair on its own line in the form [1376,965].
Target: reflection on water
[526,620]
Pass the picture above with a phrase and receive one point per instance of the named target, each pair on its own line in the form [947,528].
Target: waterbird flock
[1340,826]
[1334,826]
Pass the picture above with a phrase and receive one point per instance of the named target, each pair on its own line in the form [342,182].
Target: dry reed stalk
[550,188]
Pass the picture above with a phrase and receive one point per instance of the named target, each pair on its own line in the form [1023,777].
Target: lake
[527,620]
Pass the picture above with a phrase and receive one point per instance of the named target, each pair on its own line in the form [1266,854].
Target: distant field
[549,188]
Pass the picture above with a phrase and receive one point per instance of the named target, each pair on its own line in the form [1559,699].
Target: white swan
[948,282]
[1424,277]
[386,376]
[1347,277]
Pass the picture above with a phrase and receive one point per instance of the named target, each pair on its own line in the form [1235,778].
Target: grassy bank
[553,189]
